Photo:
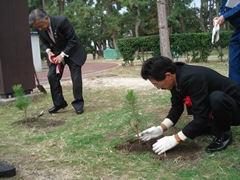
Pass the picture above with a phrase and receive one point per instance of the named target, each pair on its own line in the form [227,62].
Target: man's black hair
[157,67]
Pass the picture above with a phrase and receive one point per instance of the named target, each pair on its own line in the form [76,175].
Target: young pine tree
[131,109]
[22,102]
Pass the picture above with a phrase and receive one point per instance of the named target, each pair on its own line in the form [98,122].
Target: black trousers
[225,111]
[56,88]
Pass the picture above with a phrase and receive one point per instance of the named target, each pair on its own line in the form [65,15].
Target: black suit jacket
[198,82]
[65,40]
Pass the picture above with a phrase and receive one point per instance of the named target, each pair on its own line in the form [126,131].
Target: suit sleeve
[45,43]
[223,8]
[228,12]
[177,107]
[71,38]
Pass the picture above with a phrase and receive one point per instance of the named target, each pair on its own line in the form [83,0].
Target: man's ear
[168,74]
[47,18]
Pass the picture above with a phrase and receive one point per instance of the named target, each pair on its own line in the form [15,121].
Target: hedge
[196,45]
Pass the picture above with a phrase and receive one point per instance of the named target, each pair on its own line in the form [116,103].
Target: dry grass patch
[69,146]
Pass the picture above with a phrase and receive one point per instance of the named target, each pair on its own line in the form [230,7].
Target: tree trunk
[163,29]
[61,6]
[100,50]
[138,23]
[182,24]
[169,9]
[211,10]
[43,5]
[218,5]
[202,16]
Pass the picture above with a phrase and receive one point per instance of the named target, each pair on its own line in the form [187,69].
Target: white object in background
[36,54]
[215,32]
[232,3]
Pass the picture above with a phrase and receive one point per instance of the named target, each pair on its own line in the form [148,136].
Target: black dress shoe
[79,111]
[220,143]
[55,109]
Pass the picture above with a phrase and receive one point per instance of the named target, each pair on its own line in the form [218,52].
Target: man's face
[41,25]
[168,83]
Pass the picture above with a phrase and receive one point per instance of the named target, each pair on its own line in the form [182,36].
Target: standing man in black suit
[212,99]
[62,47]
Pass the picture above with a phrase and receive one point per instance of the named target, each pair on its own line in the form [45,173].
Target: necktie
[50,35]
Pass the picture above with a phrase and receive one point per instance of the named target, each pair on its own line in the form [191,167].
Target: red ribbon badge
[187,101]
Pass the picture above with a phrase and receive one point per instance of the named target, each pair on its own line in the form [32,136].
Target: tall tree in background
[33,4]
[139,11]
[112,20]
[85,22]
[211,13]
[163,29]
[61,6]
[97,22]
[182,18]
[202,12]
[43,5]
[150,21]
[206,15]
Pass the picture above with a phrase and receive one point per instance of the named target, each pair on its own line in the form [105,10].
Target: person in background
[212,99]
[62,47]
[230,11]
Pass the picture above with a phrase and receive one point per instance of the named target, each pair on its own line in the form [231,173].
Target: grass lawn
[70,146]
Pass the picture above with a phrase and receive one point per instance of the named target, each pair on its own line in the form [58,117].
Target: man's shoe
[79,111]
[55,109]
[220,143]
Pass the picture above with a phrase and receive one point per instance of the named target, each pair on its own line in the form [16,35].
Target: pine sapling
[131,108]
[22,102]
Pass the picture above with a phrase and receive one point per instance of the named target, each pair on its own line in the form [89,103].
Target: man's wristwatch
[62,55]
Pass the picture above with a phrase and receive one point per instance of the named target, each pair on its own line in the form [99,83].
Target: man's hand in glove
[150,133]
[164,144]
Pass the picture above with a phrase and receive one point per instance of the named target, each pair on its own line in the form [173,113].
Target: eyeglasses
[39,25]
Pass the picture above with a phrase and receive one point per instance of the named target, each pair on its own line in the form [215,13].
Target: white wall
[36,52]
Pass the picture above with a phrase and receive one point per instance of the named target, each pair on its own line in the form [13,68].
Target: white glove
[164,144]
[215,31]
[150,133]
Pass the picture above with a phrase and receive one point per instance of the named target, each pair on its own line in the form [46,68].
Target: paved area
[89,67]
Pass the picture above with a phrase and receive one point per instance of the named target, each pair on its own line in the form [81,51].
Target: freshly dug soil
[184,151]
[40,122]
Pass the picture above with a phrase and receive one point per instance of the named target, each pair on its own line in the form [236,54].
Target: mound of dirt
[184,151]
[40,122]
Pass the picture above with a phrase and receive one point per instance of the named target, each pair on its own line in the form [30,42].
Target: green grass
[83,147]
[215,52]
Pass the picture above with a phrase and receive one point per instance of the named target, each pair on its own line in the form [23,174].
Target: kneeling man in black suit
[212,99]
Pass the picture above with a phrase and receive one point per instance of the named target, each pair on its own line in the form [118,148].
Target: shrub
[197,44]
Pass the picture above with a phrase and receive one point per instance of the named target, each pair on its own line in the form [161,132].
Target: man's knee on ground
[216,99]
